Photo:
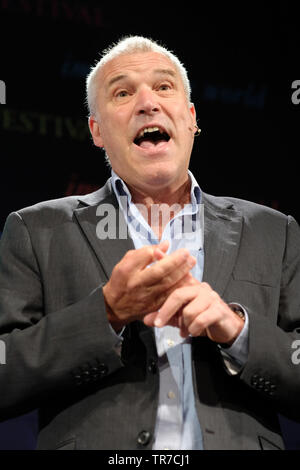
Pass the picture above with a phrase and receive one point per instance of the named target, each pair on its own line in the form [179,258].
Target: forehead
[136,63]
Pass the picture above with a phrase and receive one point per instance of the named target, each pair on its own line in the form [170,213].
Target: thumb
[160,250]
[149,318]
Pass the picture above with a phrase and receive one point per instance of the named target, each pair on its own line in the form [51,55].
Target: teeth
[149,129]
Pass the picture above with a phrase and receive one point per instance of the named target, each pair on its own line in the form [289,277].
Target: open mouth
[150,136]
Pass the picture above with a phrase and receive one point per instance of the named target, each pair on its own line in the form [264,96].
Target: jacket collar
[222,232]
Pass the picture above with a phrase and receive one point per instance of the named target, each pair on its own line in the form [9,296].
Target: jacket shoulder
[62,209]
[248,209]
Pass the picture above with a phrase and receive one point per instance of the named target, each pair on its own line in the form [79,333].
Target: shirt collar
[121,189]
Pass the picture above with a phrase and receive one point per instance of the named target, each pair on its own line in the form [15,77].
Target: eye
[164,87]
[122,94]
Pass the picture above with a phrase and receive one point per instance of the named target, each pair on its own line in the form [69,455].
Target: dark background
[241,58]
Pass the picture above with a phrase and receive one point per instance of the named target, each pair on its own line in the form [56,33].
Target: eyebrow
[118,78]
[165,72]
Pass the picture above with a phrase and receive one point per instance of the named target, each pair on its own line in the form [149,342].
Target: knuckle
[183,252]
[129,254]
[188,313]
[148,250]
[205,285]
[159,299]
[159,271]
[199,322]
[121,269]
[173,296]
[214,296]
[133,283]
[177,294]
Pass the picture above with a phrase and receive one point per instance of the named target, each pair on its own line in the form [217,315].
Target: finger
[138,259]
[163,246]
[150,318]
[203,321]
[160,250]
[192,281]
[146,255]
[201,303]
[168,270]
[174,302]
[164,292]
[184,333]
[187,280]
[158,254]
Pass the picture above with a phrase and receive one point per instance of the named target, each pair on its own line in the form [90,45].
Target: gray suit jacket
[60,350]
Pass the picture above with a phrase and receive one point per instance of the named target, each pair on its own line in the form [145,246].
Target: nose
[147,102]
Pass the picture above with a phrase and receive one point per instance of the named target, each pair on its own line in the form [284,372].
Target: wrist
[239,321]
[114,321]
[239,326]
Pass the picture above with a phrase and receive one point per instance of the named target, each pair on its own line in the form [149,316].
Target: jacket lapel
[222,233]
[110,250]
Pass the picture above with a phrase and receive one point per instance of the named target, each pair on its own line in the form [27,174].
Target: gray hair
[129,45]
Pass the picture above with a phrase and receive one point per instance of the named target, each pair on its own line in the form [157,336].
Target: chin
[162,176]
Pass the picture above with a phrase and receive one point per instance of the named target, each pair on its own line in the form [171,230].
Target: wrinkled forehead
[135,64]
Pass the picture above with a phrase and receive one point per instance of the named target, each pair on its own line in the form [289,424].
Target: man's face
[144,91]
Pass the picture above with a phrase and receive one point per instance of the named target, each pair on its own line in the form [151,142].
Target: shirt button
[171,395]
[152,366]
[170,342]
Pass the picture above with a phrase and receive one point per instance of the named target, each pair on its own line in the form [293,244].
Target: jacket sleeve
[271,368]
[45,354]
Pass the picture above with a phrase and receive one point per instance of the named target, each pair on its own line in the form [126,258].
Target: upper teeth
[149,129]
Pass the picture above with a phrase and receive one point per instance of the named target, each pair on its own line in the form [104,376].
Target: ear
[95,131]
[193,113]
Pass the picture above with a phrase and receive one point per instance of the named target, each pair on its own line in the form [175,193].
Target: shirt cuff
[236,355]
[119,339]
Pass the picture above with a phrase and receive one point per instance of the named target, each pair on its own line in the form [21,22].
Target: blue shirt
[177,424]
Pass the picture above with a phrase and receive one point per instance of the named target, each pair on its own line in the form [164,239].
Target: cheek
[108,133]
[118,115]
[185,121]
[117,129]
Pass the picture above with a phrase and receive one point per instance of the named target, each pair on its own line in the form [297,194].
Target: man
[177,336]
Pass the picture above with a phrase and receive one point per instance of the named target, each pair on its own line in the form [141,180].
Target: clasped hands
[149,285]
